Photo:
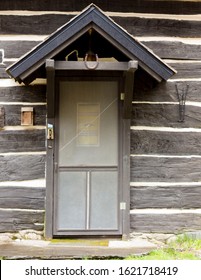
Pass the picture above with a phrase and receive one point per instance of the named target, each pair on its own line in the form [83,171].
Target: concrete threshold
[40,249]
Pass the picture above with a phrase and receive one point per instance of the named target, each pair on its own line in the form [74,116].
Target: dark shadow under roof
[111,39]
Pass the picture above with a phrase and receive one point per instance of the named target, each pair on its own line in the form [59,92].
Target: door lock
[50,132]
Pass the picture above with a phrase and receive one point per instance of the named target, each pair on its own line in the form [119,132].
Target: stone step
[41,249]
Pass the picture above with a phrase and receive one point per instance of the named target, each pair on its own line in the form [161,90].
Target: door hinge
[122,205]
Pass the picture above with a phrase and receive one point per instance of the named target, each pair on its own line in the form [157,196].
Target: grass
[183,248]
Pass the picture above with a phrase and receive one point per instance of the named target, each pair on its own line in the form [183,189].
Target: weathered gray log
[22,140]
[35,93]
[165,223]
[10,50]
[3,73]
[165,169]
[1,56]
[174,49]
[164,49]
[44,24]
[165,143]
[166,92]
[142,6]
[22,198]
[165,115]
[2,117]
[137,26]
[15,220]
[159,27]
[165,197]
[22,167]
[186,70]
[13,114]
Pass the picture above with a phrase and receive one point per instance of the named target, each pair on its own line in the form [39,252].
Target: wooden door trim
[124,149]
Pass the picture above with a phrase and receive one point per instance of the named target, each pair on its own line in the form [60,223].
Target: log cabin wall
[165,153]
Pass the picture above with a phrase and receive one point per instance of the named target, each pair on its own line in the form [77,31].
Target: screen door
[86,187]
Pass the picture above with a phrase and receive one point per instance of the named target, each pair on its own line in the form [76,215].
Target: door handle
[50,132]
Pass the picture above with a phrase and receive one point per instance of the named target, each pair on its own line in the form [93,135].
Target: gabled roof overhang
[92,17]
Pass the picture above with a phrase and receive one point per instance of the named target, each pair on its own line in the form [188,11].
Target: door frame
[125,92]
[90,232]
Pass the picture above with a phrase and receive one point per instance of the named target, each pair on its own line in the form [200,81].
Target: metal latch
[50,132]
[122,96]
[122,205]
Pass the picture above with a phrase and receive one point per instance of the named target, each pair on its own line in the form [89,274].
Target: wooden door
[87,192]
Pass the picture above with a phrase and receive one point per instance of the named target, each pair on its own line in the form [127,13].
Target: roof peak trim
[66,34]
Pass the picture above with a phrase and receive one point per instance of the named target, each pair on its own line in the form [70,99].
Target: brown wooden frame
[124,72]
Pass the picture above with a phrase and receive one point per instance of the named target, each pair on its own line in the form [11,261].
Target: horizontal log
[141,26]
[43,24]
[165,115]
[15,220]
[174,49]
[3,74]
[142,6]
[165,169]
[165,143]
[13,114]
[2,117]
[10,50]
[137,26]
[1,56]
[164,49]
[165,223]
[22,141]
[35,93]
[186,70]
[22,198]
[22,167]
[165,197]
[166,92]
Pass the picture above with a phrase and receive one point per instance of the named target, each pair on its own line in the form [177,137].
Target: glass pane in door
[88,133]
[104,200]
[72,200]
[86,179]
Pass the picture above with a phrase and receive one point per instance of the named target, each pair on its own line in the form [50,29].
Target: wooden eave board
[91,16]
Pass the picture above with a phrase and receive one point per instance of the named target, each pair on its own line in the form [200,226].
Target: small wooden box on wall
[27,116]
